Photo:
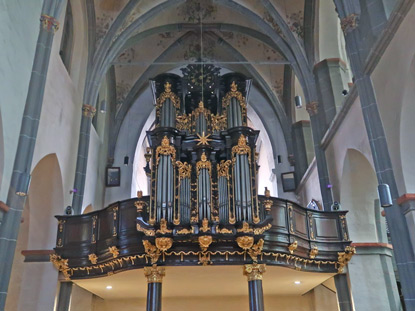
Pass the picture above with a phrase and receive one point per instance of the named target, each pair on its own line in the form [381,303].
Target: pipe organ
[203,165]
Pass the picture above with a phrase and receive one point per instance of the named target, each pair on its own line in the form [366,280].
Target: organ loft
[204,206]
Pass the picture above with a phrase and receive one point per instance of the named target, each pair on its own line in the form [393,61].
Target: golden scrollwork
[223,168]
[154,274]
[344,227]
[290,218]
[203,164]
[183,122]
[313,252]
[261,230]
[205,225]
[234,93]
[254,271]
[245,242]
[204,242]
[223,230]
[167,94]
[93,258]
[292,247]
[218,122]
[147,232]
[163,227]
[185,169]
[114,251]
[245,228]
[242,147]
[164,244]
[345,257]
[204,258]
[256,250]
[152,251]
[60,264]
[165,149]
[61,224]
[185,231]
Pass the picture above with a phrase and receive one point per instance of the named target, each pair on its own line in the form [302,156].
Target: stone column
[64,296]
[88,113]
[154,277]
[20,179]
[254,273]
[343,292]
[349,12]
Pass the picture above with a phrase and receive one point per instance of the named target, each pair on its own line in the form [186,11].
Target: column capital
[312,108]
[349,23]
[154,274]
[88,111]
[49,23]
[254,271]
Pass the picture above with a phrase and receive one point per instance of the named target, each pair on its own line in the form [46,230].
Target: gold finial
[201,105]
[234,86]
[204,158]
[165,142]
[267,192]
[167,87]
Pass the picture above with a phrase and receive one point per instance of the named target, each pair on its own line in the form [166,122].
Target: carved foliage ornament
[349,23]
[49,23]
[238,95]
[165,149]
[241,147]
[167,94]
[88,111]
[254,272]
[223,168]
[185,169]
[154,274]
[203,164]
[345,257]
[60,264]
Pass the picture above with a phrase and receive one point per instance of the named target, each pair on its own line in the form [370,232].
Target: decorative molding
[349,23]
[254,272]
[154,274]
[88,111]
[49,23]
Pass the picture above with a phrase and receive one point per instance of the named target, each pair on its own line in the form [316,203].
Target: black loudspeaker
[298,102]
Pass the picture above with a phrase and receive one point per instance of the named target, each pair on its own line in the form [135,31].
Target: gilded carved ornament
[349,23]
[114,251]
[292,247]
[93,258]
[223,168]
[154,274]
[147,232]
[164,244]
[163,227]
[203,139]
[245,242]
[254,271]
[205,225]
[345,257]
[165,149]
[60,264]
[167,94]
[151,251]
[204,242]
[236,94]
[241,147]
[313,252]
[203,164]
[245,228]
[185,169]
[49,23]
[88,111]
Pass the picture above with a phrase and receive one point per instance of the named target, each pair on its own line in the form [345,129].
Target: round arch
[358,192]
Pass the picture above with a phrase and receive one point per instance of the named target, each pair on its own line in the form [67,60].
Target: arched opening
[358,194]
[373,288]
[34,284]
